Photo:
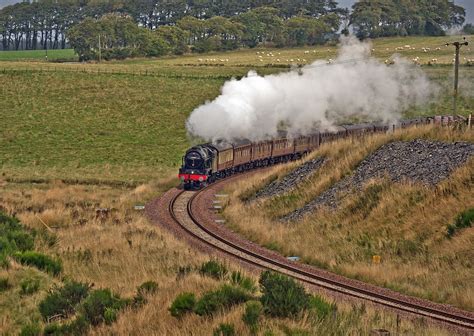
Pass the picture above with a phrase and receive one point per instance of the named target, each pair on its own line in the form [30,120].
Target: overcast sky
[468,4]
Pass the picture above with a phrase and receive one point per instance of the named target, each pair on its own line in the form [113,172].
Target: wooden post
[469,121]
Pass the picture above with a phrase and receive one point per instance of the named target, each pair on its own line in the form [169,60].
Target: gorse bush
[94,307]
[184,303]
[40,261]
[225,297]
[213,269]
[282,296]
[224,329]
[252,314]
[63,301]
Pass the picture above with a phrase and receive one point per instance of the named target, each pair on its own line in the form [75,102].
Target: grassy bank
[121,251]
[406,224]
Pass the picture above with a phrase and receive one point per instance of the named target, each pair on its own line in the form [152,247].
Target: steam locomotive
[204,164]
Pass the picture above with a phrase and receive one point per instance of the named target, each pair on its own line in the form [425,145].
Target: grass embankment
[121,251]
[406,224]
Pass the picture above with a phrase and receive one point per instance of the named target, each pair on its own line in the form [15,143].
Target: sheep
[438,49]
[200,60]
[330,61]
[304,61]
[373,50]
[278,60]
[306,52]
[407,46]
[291,60]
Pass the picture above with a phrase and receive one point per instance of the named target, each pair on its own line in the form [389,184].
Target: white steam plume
[320,95]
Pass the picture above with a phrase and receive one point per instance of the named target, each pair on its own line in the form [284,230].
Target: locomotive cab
[196,169]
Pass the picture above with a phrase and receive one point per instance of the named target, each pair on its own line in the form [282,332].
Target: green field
[61,54]
[125,120]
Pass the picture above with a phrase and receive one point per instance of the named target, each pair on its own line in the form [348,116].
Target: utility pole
[100,51]
[458,46]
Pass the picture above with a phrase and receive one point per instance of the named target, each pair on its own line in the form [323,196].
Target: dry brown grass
[124,250]
[407,227]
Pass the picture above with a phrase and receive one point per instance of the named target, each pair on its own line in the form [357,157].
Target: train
[206,163]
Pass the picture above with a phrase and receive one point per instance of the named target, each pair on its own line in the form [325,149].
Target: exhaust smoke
[356,86]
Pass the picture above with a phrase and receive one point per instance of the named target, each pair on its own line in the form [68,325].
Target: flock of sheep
[417,60]
[276,58]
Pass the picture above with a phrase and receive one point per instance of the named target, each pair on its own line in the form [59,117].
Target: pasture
[124,121]
[38,55]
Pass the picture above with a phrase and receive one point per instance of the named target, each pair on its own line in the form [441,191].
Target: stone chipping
[424,161]
[290,181]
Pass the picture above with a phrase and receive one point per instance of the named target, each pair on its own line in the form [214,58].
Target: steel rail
[314,279]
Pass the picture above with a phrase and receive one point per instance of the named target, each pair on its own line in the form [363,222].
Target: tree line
[43,24]
[156,27]
[379,18]
[116,36]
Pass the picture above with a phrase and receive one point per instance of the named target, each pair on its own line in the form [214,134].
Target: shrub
[31,330]
[464,220]
[96,304]
[183,304]
[147,288]
[110,315]
[4,284]
[320,307]
[251,317]
[225,297]
[78,327]
[213,269]
[13,236]
[63,301]
[238,279]
[55,329]
[40,261]
[23,241]
[29,286]
[224,329]
[282,296]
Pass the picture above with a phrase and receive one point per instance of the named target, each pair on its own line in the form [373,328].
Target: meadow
[77,137]
[124,121]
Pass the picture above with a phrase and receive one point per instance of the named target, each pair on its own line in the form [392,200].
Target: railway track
[183,213]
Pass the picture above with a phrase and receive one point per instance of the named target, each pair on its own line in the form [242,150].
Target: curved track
[182,212]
